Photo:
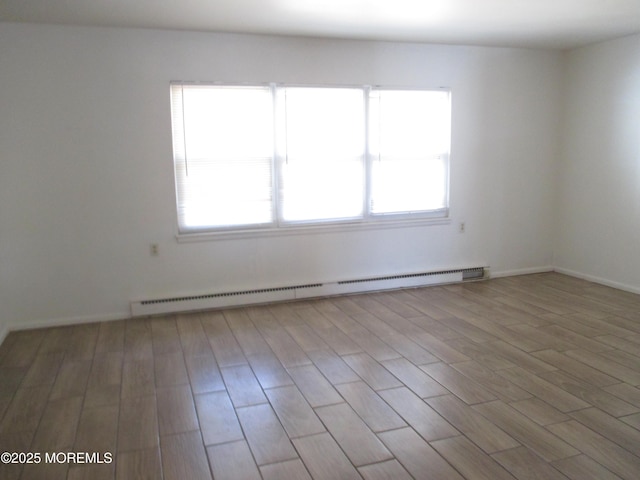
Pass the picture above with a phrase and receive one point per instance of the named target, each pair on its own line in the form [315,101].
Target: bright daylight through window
[269,157]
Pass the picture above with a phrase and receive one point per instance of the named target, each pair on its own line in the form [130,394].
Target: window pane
[227,122]
[409,143]
[408,185]
[226,193]
[330,189]
[322,147]
[224,156]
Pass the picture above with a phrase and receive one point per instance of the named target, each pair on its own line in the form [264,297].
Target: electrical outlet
[461,227]
[155,250]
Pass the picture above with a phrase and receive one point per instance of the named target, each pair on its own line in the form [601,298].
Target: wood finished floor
[531,377]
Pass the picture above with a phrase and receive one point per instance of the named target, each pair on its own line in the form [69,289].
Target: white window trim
[369,221]
[333,227]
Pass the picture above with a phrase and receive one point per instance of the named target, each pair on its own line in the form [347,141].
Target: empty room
[304,239]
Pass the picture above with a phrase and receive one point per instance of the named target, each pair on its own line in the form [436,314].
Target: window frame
[280,227]
[279,220]
[371,159]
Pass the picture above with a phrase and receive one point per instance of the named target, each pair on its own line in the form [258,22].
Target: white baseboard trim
[522,271]
[599,280]
[60,322]
[215,300]
[67,321]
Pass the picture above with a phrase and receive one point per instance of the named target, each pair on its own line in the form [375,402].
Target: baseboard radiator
[210,301]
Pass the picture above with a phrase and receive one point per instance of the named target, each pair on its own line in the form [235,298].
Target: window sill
[309,229]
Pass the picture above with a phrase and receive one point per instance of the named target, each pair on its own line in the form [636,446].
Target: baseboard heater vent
[227,294]
[291,292]
[477,273]
[467,274]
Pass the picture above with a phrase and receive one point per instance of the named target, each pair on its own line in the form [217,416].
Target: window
[408,144]
[249,157]
[321,152]
[223,150]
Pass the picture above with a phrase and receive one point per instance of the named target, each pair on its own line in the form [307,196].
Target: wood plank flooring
[530,377]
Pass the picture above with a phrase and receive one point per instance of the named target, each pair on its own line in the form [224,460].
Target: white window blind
[409,148]
[266,157]
[322,153]
[223,151]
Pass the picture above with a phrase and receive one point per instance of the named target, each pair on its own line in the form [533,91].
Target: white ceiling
[524,23]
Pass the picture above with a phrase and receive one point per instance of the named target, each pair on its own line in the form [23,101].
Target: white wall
[598,229]
[86,179]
